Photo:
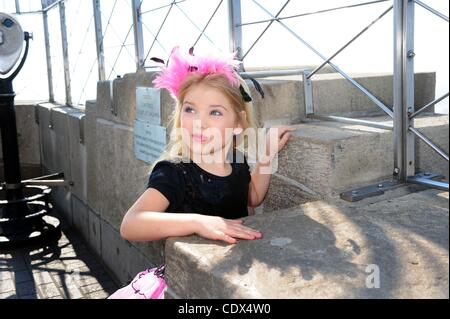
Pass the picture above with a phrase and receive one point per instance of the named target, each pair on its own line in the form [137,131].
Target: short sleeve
[166,178]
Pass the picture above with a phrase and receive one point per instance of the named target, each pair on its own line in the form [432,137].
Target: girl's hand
[227,230]
[276,139]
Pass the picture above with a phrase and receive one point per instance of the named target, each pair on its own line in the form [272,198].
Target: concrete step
[283,101]
[332,94]
[325,158]
[384,247]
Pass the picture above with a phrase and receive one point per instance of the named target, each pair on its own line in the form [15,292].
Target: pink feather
[181,65]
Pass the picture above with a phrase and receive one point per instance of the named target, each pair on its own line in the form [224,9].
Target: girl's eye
[216,113]
[188,109]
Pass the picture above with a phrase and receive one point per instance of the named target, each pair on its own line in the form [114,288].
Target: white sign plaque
[148,105]
[149,141]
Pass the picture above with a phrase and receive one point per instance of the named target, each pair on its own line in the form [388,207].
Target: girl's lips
[199,138]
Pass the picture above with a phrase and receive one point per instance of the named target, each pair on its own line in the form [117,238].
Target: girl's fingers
[236,221]
[284,139]
[227,238]
[247,232]
[239,234]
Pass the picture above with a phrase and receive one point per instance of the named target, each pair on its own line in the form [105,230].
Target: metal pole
[235,31]
[65,47]
[51,95]
[403,139]
[17,6]
[429,143]
[138,35]
[428,105]
[99,39]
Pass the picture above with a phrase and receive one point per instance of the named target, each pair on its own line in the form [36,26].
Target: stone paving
[63,270]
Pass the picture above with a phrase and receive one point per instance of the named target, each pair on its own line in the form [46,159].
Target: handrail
[266,74]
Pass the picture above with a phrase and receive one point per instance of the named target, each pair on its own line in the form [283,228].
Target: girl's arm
[277,138]
[146,221]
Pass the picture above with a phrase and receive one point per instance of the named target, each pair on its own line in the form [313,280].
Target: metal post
[99,39]
[17,6]
[235,31]
[403,140]
[65,47]
[51,95]
[138,35]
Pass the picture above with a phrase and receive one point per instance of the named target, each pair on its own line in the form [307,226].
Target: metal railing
[402,112]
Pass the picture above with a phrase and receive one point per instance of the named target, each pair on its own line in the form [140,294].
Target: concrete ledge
[330,157]
[333,94]
[77,153]
[324,250]
[116,100]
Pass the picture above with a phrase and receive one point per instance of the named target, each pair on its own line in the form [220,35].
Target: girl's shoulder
[167,170]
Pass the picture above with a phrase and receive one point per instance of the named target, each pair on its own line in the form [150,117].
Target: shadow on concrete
[54,270]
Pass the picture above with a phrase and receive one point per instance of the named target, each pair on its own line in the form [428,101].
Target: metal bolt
[396,171]
[411,54]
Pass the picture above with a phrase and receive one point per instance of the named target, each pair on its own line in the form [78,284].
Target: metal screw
[396,171]
[411,54]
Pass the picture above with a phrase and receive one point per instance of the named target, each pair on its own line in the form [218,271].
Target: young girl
[187,192]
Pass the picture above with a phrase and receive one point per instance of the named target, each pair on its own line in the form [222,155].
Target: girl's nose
[202,121]
[199,123]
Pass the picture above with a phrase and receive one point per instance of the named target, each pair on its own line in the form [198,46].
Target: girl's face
[207,121]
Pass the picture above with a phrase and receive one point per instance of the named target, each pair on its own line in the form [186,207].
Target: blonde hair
[174,149]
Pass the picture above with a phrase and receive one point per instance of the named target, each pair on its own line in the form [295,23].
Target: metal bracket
[36,114]
[50,119]
[81,129]
[113,106]
[427,179]
[307,93]
[56,179]
[357,194]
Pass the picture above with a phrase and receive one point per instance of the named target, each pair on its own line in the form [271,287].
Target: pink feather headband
[181,66]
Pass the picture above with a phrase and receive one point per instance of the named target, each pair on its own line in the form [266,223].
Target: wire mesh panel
[185,23]
[325,25]
[56,55]
[118,40]
[82,50]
